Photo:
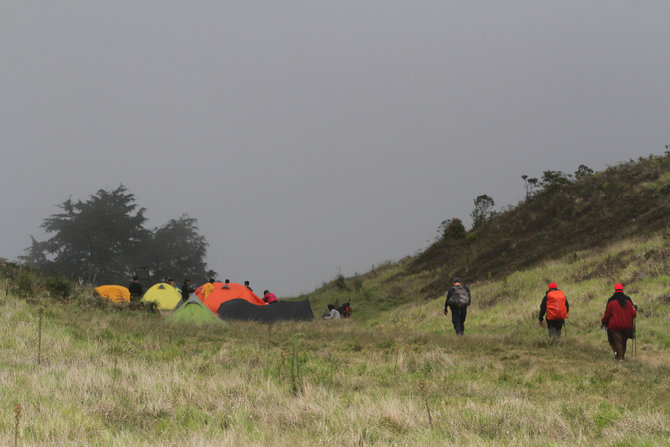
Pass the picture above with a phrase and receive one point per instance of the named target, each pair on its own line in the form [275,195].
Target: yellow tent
[117,294]
[166,296]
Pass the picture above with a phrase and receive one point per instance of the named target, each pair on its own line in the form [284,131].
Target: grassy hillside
[393,374]
[110,377]
[561,218]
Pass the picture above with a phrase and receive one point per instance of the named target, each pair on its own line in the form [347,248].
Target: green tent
[193,311]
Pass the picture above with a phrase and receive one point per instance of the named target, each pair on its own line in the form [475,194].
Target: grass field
[398,377]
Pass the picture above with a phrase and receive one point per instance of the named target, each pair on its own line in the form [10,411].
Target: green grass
[116,377]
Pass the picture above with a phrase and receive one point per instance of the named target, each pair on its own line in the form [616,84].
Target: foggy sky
[310,138]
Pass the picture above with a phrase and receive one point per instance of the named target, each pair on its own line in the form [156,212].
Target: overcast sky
[310,137]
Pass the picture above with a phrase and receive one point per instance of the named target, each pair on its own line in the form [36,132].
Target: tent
[230,291]
[201,295]
[164,295]
[193,311]
[239,309]
[117,294]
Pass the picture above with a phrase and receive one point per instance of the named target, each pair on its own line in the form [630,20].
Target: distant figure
[186,290]
[269,298]
[556,306]
[246,284]
[208,288]
[619,320]
[333,314]
[135,289]
[458,300]
[225,284]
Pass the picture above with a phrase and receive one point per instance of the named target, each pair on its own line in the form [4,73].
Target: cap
[455,279]
[552,285]
[618,287]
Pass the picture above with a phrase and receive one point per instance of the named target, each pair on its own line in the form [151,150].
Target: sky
[313,138]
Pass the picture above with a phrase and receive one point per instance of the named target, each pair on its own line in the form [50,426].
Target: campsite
[82,369]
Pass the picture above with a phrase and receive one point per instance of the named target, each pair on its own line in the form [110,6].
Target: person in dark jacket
[135,289]
[458,312]
[619,324]
[556,306]
[186,289]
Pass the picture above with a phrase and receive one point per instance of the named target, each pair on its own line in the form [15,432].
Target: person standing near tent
[619,320]
[269,298]
[208,288]
[135,289]
[556,306]
[458,300]
[186,289]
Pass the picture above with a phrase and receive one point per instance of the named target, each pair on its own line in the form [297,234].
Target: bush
[59,288]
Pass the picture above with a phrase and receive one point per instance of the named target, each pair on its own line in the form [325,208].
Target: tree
[452,229]
[554,180]
[583,171]
[99,238]
[483,210]
[530,184]
[178,251]
[104,239]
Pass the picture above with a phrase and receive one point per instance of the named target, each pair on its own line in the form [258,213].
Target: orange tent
[199,293]
[117,294]
[227,292]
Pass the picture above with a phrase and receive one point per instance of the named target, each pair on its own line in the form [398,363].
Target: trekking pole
[634,338]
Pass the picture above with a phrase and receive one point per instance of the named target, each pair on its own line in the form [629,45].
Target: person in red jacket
[618,320]
[269,297]
[618,289]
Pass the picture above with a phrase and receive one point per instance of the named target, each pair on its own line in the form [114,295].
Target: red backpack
[556,309]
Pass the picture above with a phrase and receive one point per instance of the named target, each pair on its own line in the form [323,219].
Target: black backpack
[460,297]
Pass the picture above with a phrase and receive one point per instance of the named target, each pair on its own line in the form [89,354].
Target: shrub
[59,288]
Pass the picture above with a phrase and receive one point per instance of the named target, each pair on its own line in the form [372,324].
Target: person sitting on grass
[333,313]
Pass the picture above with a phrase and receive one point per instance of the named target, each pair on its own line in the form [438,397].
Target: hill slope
[630,199]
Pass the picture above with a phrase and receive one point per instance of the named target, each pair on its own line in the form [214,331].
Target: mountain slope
[629,199]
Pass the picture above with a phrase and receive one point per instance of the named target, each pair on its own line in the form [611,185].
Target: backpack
[460,297]
[556,309]
[345,310]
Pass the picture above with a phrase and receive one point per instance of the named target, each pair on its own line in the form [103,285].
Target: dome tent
[193,311]
[230,291]
[116,294]
[164,295]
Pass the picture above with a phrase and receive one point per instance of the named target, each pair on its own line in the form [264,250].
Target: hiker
[619,320]
[246,284]
[556,306]
[458,300]
[186,289]
[333,313]
[208,288]
[135,289]
[269,298]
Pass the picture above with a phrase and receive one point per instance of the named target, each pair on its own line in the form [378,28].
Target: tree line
[103,240]
[483,211]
